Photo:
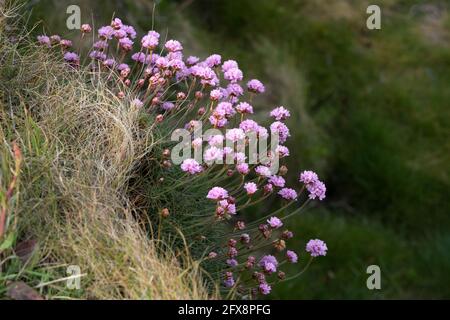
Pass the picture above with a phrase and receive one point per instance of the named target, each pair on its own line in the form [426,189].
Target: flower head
[243,168]
[151,40]
[263,171]
[291,256]
[308,177]
[229,64]
[173,46]
[317,190]
[191,166]
[217,193]
[268,263]
[71,57]
[255,86]
[233,75]
[250,187]
[213,60]
[316,248]
[244,107]
[281,129]
[280,113]
[277,181]
[264,288]
[235,135]
[275,222]
[44,40]
[288,194]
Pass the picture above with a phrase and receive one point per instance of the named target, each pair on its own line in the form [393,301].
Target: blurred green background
[370,114]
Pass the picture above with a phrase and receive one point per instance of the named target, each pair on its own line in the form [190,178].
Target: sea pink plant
[168,89]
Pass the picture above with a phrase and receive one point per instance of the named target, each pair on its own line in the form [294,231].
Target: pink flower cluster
[158,79]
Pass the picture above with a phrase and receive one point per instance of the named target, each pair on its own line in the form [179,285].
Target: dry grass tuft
[81,145]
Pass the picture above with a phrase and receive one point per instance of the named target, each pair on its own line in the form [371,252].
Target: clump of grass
[81,146]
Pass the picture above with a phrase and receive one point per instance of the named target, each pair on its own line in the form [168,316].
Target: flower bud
[155,100]
[159,118]
[181,96]
[166,153]
[198,95]
[279,245]
[167,164]
[165,213]
[281,275]
[240,225]
[232,242]
[86,28]
[283,171]
[201,111]
[287,235]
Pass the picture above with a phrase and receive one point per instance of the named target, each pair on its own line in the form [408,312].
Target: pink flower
[317,190]
[277,181]
[242,168]
[173,46]
[218,122]
[250,187]
[71,57]
[255,86]
[216,95]
[131,33]
[101,45]
[225,109]
[288,194]
[234,90]
[281,129]
[191,60]
[282,151]
[216,140]
[212,155]
[280,113]
[151,40]
[106,32]
[316,248]
[44,40]
[275,223]
[197,143]
[233,75]
[227,207]
[97,55]
[264,288]
[268,263]
[263,171]
[229,64]
[235,135]
[191,166]
[168,105]
[308,177]
[262,133]
[162,63]
[85,28]
[240,157]
[217,193]
[137,103]
[66,43]
[291,256]
[116,23]
[249,125]
[213,60]
[126,43]
[244,107]
[119,34]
